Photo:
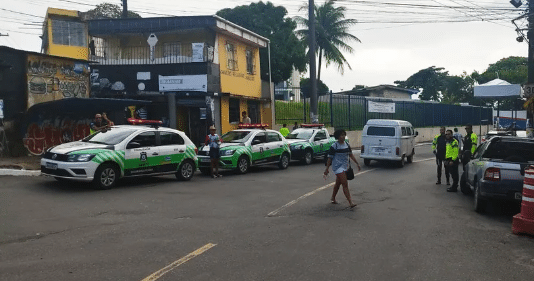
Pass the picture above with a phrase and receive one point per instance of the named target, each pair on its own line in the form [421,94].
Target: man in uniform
[98,124]
[284,130]
[469,144]
[451,160]
[438,147]
[246,119]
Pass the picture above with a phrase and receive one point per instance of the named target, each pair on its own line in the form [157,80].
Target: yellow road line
[275,212]
[156,275]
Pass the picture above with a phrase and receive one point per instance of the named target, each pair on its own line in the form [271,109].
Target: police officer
[451,160]
[469,144]
[438,148]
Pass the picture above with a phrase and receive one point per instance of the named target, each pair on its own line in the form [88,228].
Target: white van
[388,140]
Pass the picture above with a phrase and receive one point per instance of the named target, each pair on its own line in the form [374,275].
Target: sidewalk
[20,166]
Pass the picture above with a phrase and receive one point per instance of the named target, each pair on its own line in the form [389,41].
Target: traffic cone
[523,223]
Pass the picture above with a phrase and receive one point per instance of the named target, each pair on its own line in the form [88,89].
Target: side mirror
[416,133]
[133,144]
[254,142]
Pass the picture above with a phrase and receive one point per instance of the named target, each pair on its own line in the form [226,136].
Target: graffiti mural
[40,136]
[52,79]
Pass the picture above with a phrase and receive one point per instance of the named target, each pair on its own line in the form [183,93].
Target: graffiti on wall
[52,79]
[40,136]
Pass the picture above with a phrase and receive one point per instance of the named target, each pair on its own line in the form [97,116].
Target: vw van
[388,140]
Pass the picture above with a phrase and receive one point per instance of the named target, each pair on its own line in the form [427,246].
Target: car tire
[242,165]
[284,161]
[308,157]
[479,202]
[106,176]
[464,188]
[402,162]
[205,171]
[409,159]
[367,162]
[186,171]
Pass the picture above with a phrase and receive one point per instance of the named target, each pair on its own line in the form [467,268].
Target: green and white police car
[309,142]
[122,151]
[240,149]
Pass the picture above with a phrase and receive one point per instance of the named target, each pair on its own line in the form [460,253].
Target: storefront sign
[381,107]
[183,83]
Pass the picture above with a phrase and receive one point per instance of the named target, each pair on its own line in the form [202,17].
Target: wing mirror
[254,142]
[133,144]
[416,133]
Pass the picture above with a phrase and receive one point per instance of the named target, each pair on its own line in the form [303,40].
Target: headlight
[299,146]
[227,152]
[80,157]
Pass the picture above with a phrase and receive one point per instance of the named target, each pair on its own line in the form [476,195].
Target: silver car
[496,170]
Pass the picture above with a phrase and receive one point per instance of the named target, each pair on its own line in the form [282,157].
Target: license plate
[379,149]
[51,166]
[205,160]
[518,195]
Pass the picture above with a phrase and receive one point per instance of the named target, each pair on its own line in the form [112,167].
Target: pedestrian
[284,130]
[470,143]
[213,142]
[296,126]
[458,136]
[339,157]
[98,124]
[141,113]
[439,149]
[452,161]
[246,119]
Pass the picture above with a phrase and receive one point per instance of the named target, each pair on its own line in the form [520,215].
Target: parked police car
[308,142]
[250,146]
[122,151]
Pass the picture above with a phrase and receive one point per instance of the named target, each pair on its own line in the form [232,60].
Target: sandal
[333,201]
[352,206]
[219,176]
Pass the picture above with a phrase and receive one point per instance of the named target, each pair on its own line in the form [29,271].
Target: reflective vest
[452,150]
[470,143]
[284,131]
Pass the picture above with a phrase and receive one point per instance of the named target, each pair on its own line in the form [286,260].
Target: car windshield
[300,134]
[510,151]
[236,136]
[109,136]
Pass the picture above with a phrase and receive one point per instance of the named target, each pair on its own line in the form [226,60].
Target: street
[269,224]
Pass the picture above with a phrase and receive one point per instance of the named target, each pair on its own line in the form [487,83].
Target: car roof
[512,139]
[145,127]
[387,122]
[254,130]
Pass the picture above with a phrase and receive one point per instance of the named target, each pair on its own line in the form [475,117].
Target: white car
[122,151]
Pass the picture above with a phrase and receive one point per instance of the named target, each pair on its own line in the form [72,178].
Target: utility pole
[124,9]
[313,82]
[530,36]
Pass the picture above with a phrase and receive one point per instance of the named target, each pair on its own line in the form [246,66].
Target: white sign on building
[183,83]
[381,107]
[198,52]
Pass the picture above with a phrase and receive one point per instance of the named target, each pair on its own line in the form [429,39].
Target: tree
[331,34]
[108,11]
[305,87]
[458,89]
[431,80]
[267,20]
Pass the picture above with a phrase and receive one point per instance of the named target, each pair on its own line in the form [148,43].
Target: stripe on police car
[528,199]
[528,186]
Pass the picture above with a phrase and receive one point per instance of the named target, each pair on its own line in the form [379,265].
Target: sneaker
[438,182]
[448,183]
[450,189]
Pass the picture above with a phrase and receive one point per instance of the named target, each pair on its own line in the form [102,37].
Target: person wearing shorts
[213,140]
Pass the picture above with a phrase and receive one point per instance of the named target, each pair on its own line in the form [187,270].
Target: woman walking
[338,158]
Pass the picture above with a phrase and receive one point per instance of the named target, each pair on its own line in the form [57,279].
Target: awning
[497,88]
[84,105]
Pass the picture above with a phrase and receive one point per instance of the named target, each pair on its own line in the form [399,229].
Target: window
[404,131]
[321,135]
[251,67]
[261,137]
[169,138]
[233,110]
[171,49]
[381,131]
[68,33]
[231,55]
[273,137]
[145,139]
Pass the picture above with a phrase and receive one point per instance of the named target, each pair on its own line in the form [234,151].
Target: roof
[367,90]
[84,105]
[9,49]
[387,122]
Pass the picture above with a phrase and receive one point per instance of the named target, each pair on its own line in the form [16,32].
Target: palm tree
[331,34]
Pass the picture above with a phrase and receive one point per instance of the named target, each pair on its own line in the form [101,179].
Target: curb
[13,172]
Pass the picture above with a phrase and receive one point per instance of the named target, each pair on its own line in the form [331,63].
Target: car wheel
[367,162]
[284,161]
[186,170]
[402,162]
[205,171]
[463,184]
[479,202]
[106,176]
[308,157]
[409,159]
[242,165]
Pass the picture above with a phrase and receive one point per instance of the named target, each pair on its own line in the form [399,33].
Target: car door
[258,148]
[474,163]
[320,143]
[274,146]
[141,154]
[172,151]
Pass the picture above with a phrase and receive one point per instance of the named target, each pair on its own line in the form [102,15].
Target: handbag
[350,173]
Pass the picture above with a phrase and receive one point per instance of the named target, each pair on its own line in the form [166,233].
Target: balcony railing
[163,54]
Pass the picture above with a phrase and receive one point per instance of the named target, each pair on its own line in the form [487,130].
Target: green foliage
[108,11]
[331,34]
[431,80]
[305,87]
[267,20]
[511,69]
[357,87]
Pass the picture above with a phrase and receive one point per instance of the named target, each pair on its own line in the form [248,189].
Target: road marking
[424,159]
[275,212]
[156,275]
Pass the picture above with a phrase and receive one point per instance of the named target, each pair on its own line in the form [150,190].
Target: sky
[398,37]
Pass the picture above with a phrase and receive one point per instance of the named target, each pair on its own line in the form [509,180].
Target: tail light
[492,174]
[363,149]
[397,151]
[196,150]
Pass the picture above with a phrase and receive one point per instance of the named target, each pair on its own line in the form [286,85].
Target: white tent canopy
[497,88]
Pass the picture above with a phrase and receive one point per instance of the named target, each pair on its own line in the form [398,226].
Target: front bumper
[225,162]
[79,171]
[297,154]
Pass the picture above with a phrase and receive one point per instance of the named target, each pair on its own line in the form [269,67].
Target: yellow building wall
[239,82]
[75,52]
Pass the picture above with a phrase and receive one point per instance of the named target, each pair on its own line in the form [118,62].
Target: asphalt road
[266,225]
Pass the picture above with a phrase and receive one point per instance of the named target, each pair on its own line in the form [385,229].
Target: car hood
[223,145]
[294,141]
[78,145]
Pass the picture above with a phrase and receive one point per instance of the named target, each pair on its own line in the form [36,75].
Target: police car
[122,151]
[308,142]
[251,145]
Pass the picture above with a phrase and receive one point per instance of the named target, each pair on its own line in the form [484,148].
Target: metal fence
[352,112]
